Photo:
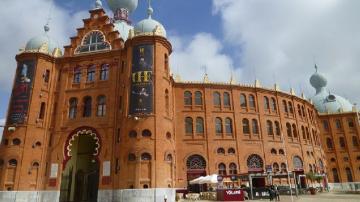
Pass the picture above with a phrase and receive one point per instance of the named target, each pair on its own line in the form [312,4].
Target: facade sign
[54,170]
[20,99]
[141,91]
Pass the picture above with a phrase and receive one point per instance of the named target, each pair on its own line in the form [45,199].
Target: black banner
[141,92]
[18,109]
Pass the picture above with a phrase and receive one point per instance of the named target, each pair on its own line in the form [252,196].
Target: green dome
[150,26]
[323,100]
[44,44]
[130,5]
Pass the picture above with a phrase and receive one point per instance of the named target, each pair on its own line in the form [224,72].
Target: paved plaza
[324,197]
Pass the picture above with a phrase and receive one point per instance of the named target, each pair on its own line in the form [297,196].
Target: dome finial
[98,4]
[316,68]
[150,10]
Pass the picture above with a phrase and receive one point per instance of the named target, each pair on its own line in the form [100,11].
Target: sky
[276,41]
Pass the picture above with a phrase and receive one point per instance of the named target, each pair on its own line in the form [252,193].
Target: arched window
[92,42]
[226,99]
[228,126]
[351,123]
[291,109]
[198,98]
[273,105]
[266,103]
[288,129]
[16,141]
[243,102]
[273,151]
[329,143]
[297,162]
[77,75]
[281,152]
[269,127]
[231,150]
[42,110]
[145,157]
[246,127]
[187,98]
[285,106]
[13,162]
[188,125]
[294,131]
[325,125]
[166,62]
[303,111]
[222,169]
[131,157]
[255,126]
[335,175]
[299,110]
[220,150]
[218,125]
[303,132]
[169,158]
[217,99]
[342,142]
[307,133]
[87,106]
[199,125]
[91,73]
[72,108]
[255,163]
[283,168]
[276,167]
[167,102]
[338,124]
[168,135]
[277,128]
[146,133]
[332,159]
[310,168]
[104,72]
[355,141]
[132,134]
[195,162]
[232,169]
[349,174]
[252,101]
[101,108]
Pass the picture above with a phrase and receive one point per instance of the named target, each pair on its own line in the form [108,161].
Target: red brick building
[107,115]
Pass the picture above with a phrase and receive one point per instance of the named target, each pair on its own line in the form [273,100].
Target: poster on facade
[54,170]
[141,91]
[21,93]
[106,168]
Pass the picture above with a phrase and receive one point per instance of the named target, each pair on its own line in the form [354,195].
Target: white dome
[44,44]
[123,28]
[150,26]
[130,5]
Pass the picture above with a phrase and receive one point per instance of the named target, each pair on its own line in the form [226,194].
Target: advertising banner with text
[141,92]
[21,93]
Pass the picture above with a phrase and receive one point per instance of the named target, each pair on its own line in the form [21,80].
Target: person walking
[271,193]
[277,194]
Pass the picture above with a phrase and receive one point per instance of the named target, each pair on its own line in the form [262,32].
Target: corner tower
[29,115]
[149,139]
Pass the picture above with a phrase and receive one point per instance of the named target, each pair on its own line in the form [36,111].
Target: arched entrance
[80,176]
[299,171]
[196,166]
[255,164]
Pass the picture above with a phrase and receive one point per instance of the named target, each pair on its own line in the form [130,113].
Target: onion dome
[130,5]
[43,44]
[150,26]
[98,4]
[324,101]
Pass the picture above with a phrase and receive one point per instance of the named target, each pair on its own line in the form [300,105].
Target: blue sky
[276,41]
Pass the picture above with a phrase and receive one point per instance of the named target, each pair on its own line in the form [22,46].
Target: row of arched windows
[145,133]
[291,130]
[288,107]
[244,101]
[221,150]
[188,98]
[270,128]
[219,126]
[270,104]
[342,143]
[282,168]
[281,151]
[232,169]
[348,175]
[189,126]
[90,73]
[217,99]
[87,107]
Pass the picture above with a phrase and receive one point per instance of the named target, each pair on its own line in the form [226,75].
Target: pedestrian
[277,194]
[271,193]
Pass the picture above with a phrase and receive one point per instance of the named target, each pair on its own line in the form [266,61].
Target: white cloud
[280,40]
[21,20]
[192,56]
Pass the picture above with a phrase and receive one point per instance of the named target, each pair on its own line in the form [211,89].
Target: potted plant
[311,176]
